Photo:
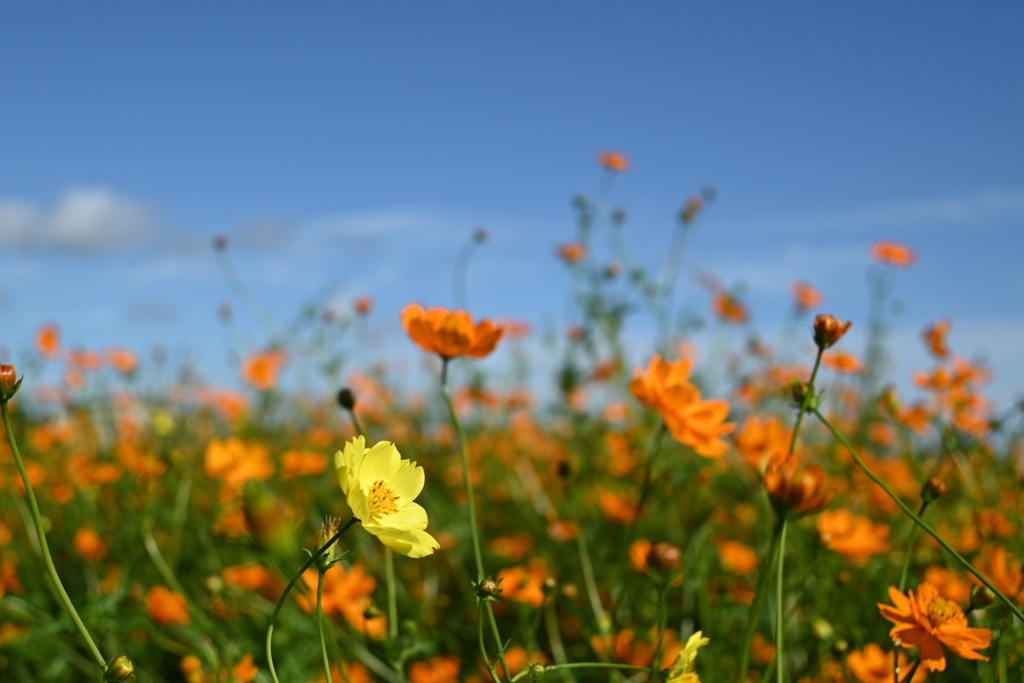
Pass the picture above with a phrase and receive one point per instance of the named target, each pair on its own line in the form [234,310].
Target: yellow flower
[380,487]
[682,668]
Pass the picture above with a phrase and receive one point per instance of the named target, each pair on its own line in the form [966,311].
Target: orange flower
[362,305]
[524,584]
[699,424]
[450,333]
[728,308]
[48,341]
[166,607]
[736,557]
[930,621]
[89,545]
[874,665]
[893,253]
[828,330]
[842,361]
[613,161]
[261,369]
[795,490]
[617,507]
[806,296]
[441,669]
[935,338]
[851,536]
[760,438]
[572,252]
[122,360]
[691,209]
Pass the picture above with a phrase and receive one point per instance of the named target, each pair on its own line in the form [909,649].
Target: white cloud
[84,220]
[961,210]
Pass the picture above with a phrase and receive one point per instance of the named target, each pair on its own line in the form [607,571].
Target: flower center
[383,501]
[451,323]
[941,610]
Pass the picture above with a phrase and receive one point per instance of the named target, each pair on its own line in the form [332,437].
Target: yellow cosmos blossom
[682,668]
[380,488]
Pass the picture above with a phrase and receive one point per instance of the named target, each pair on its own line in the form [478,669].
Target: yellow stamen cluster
[383,501]
[941,611]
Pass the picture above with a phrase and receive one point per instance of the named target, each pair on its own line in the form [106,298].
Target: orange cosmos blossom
[893,253]
[793,489]
[874,665]
[935,337]
[806,296]
[613,161]
[261,369]
[450,333]
[929,621]
[48,340]
[699,424]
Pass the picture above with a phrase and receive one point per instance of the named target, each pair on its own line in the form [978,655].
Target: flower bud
[8,379]
[933,489]
[537,671]
[663,557]
[120,668]
[488,589]
[480,235]
[330,528]
[549,585]
[829,330]
[220,243]
[803,396]
[347,399]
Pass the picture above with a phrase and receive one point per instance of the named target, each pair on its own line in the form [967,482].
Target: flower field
[798,520]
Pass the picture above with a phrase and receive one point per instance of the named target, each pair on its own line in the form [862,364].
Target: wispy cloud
[971,209]
[83,220]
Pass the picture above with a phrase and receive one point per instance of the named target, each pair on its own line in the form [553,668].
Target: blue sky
[351,148]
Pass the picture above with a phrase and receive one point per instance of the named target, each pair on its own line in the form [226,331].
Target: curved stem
[910,513]
[291,584]
[47,559]
[759,595]
[320,625]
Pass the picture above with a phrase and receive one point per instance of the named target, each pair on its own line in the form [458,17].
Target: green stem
[603,625]
[648,474]
[47,559]
[931,532]
[659,646]
[808,398]
[389,575]
[320,624]
[584,665]
[760,593]
[467,480]
[482,643]
[910,547]
[780,612]
[291,584]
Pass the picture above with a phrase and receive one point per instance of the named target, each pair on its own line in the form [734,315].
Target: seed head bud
[803,396]
[663,557]
[347,399]
[829,330]
[488,589]
[331,526]
[8,380]
[612,270]
[120,668]
[933,489]
[619,216]
[480,235]
[220,243]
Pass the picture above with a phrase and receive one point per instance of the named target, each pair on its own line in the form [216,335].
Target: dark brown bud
[347,399]
[488,589]
[480,235]
[663,557]
[220,242]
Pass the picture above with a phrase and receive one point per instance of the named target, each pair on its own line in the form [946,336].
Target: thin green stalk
[910,513]
[583,665]
[389,575]
[910,548]
[47,558]
[291,584]
[648,474]
[663,587]
[780,612]
[482,643]
[805,407]
[467,480]
[759,596]
[320,624]
[603,625]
